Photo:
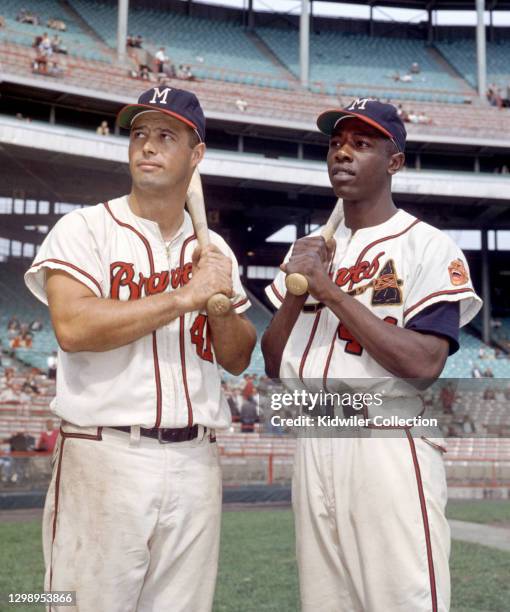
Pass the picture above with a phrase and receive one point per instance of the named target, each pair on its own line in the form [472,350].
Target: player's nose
[343,153]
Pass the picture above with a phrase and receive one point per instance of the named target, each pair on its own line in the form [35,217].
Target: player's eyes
[138,133]
[363,143]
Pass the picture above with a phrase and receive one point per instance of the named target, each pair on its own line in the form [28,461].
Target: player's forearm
[277,334]
[233,339]
[403,352]
[96,324]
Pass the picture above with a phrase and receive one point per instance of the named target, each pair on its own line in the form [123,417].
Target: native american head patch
[458,272]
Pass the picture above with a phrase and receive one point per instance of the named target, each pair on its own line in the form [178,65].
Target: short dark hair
[193,138]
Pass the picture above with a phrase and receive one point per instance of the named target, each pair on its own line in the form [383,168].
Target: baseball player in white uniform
[386,299]
[132,516]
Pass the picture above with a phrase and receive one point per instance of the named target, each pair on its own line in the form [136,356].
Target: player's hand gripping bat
[218,304]
[296,283]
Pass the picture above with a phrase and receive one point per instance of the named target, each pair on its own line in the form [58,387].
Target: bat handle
[296,283]
[218,305]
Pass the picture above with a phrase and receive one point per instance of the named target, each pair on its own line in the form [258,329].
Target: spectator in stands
[25,337]
[424,119]
[57,46]
[29,385]
[241,104]
[13,324]
[55,69]
[25,16]
[103,129]
[184,73]
[467,426]
[45,47]
[481,353]
[489,394]
[488,373]
[8,395]
[415,68]
[144,70]
[248,391]
[51,363]
[476,372]
[402,113]
[48,438]
[35,326]
[57,24]
[493,96]
[138,41]
[161,59]
[248,416]
[448,397]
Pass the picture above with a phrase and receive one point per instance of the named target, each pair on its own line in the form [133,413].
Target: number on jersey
[352,346]
[201,338]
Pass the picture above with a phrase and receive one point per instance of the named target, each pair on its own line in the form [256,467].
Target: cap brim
[327,121]
[126,115]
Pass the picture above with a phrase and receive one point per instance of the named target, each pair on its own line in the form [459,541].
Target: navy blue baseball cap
[383,117]
[178,103]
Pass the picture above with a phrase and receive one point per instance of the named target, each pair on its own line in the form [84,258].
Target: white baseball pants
[133,526]
[371,532]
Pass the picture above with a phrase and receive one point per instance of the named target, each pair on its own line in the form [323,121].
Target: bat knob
[296,283]
[218,305]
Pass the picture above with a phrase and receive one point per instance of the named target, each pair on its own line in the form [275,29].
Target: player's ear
[197,154]
[396,163]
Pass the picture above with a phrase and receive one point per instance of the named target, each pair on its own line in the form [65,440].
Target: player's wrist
[329,293]
[184,301]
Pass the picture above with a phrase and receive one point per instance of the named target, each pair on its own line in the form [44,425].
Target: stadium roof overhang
[435,5]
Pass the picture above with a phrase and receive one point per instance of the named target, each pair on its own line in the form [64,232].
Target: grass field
[258,570]
[489,512]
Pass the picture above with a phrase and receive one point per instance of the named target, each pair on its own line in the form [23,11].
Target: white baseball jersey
[396,269]
[168,378]
[345,488]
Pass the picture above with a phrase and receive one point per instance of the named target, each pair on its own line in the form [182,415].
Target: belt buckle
[160,436]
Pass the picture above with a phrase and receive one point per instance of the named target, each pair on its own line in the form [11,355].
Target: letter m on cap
[159,96]
[359,103]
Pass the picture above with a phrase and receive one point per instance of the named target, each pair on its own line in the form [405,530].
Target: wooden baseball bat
[296,283]
[218,304]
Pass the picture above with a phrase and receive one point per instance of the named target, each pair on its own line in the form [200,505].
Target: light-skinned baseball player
[386,299]
[132,515]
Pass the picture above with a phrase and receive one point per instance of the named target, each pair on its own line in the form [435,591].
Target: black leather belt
[313,308]
[166,435]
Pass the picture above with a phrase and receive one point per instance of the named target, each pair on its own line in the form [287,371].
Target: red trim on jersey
[73,267]
[182,347]
[433,295]
[157,374]
[276,292]
[139,234]
[328,360]
[426,527]
[57,494]
[307,349]
[372,244]
[240,303]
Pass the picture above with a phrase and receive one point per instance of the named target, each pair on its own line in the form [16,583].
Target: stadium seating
[78,42]
[260,316]
[340,62]
[461,364]
[16,300]
[461,53]
[215,49]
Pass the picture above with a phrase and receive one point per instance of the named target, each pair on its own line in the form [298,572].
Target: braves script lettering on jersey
[165,383]
[369,511]
[396,269]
